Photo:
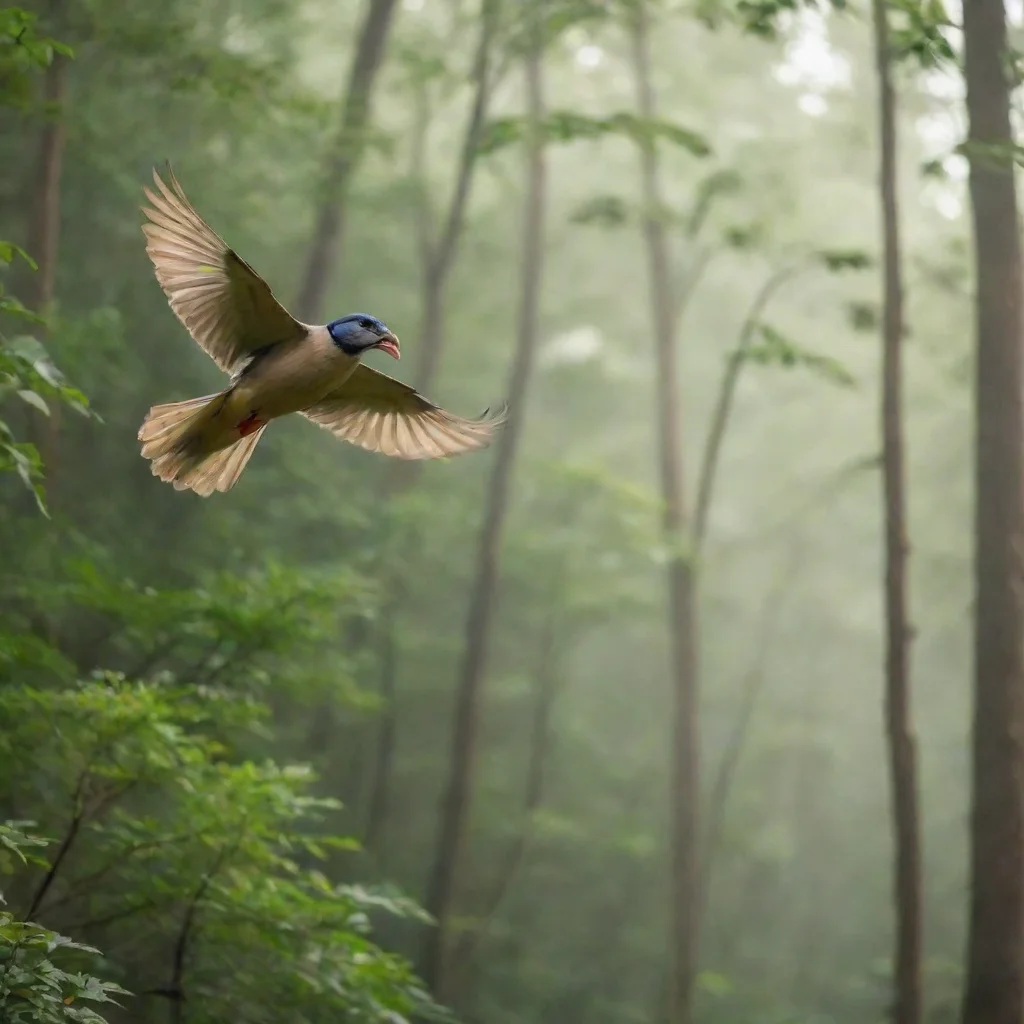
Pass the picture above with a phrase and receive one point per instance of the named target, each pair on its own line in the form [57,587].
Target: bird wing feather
[381,414]
[223,303]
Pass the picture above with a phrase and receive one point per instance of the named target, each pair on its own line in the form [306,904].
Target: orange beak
[389,344]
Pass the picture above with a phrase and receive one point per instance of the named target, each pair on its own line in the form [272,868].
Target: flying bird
[277,364]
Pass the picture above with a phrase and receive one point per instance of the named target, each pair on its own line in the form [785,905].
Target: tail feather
[166,426]
[173,437]
[217,472]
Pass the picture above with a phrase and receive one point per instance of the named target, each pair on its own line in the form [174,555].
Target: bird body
[278,366]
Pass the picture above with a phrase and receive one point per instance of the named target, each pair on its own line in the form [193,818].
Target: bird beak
[389,344]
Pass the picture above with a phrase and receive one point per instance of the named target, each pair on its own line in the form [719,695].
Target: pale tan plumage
[278,366]
[404,426]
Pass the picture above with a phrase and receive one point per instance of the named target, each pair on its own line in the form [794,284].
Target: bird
[277,365]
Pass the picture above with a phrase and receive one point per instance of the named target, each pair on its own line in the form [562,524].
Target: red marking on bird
[249,425]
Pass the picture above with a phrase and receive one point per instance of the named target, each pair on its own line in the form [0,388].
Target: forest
[696,697]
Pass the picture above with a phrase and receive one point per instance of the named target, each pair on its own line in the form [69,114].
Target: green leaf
[743,236]
[35,400]
[27,348]
[569,126]
[918,32]
[601,211]
[863,316]
[760,18]
[774,349]
[8,252]
[838,260]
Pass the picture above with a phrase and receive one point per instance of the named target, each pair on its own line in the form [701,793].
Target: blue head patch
[356,333]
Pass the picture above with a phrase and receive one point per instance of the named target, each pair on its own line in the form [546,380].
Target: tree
[343,160]
[44,226]
[899,728]
[215,610]
[680,569]
[438,249]
[995,952]
[449,853]
[26,369]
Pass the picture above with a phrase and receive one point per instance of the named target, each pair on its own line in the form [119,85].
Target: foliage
[220,871]
[761,17]
[190,689]
[26,371]
[23,50]
[602,211]
[32,986]
[838,260]
[920,33]
[569,126]
[774,349]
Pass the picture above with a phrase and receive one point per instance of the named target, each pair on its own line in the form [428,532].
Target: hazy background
[276,591]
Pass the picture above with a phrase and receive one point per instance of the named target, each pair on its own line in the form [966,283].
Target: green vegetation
[351,744]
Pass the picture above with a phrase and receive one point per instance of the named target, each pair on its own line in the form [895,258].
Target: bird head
[358,333]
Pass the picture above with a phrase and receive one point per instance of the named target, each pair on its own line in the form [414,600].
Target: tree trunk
[44,232]
[907,1007]
[710,458]
[995,953]
[448,857]
[384,748]
[682,612]
[347,150]
[467,947]
[441,251]
[438,257]
[435,280]
[734,748]
[44,235]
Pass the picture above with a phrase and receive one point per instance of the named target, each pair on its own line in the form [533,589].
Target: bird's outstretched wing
[223,303]
[384,415]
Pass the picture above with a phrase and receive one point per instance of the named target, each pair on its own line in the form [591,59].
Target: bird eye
[365,324]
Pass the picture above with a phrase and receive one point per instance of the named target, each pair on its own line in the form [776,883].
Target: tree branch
[423,221]
[688,288]
[176,990]
[95,876]
[546,690]
[726,393]
[114,915]
[344,158]
[753,685]
[63,850]
[444,248]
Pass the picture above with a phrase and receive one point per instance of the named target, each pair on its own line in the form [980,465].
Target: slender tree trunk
[448,856]
[442,251]
[682,611]
[44,233]
[711,455]
[437,257]
[907,1007]
[346,153]
[384,748]
[466,949]
[810,817]
[995,951]
[435,281]
[546,686]
[734,748]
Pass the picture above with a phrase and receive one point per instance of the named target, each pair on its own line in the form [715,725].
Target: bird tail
[173,437]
